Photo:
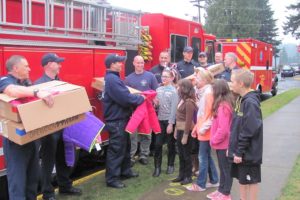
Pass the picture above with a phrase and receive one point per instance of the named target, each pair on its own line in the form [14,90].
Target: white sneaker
[211,185]
[213,195]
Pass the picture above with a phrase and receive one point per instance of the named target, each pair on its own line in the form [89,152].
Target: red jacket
[144,118]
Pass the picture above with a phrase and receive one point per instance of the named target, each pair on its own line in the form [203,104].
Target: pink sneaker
[222,197]
[213,194]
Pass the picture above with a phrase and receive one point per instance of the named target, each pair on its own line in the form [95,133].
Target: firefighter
[141,80]
[230,64]
[186,66]
[164,63]
[218,57]
[21,160]
[52,146]
[117,102]
[202,59]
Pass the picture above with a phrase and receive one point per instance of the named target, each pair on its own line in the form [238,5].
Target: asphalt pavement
[281,148]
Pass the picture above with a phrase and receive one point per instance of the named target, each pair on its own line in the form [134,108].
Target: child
[246,138]
[184,125]
[202,131]
[219,139]
[167,100]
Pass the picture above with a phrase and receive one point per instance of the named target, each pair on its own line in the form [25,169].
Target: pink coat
[220,128]
[144,118]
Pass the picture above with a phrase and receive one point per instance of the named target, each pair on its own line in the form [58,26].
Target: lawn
[94,186]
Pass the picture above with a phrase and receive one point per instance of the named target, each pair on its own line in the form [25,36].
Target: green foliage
[293,24]
[242,19]
[268,30]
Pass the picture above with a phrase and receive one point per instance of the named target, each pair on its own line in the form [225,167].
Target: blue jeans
[207,165]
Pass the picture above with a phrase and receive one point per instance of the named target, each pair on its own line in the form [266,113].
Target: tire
[274,91]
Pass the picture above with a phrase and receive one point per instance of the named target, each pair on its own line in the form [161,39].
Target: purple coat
[83,134]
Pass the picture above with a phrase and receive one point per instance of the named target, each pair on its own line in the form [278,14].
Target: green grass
[273,104]
[292,190]
[95,188]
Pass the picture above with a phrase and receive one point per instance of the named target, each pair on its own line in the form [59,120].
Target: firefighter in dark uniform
[186,66]
[117,102]
[21,160]
[52,146]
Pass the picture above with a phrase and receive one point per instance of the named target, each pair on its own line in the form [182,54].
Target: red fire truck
[84,32]
[173,34]
[254,55]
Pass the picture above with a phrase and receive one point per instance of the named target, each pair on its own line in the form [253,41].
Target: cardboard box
[214,70]
[70,101]
[99,84]
[16,132]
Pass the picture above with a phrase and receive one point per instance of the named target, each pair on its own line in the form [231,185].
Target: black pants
[184,153]
[225,176]
[22,169]
[118,151]
[53,153]
[160,139]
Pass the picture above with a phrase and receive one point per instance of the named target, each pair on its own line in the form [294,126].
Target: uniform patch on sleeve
[3,78]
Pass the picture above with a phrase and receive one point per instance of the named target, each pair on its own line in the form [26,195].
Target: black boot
[171,158]
[156,172]
[170,170]
[157,165]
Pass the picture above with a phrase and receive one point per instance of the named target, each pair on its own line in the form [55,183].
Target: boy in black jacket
[246,139]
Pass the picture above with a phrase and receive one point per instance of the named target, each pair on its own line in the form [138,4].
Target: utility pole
[196,3]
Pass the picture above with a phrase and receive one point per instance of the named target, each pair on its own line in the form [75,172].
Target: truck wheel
[274,91]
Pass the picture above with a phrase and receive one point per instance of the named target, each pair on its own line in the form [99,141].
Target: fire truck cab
[254,55]
[173,34]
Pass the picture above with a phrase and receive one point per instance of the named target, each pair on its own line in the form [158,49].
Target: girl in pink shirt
[219,139]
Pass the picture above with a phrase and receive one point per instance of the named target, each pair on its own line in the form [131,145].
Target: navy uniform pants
[22,169]
[118,151]
[53,153]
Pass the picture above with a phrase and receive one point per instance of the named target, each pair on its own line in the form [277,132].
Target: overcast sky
[184,9]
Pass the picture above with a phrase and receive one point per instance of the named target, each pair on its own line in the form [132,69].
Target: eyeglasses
[165,76]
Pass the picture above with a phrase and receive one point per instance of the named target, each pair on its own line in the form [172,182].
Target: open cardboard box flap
[99,84]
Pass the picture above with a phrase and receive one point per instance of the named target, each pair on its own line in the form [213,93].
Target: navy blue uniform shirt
[45,79]
[186,69]
[117,99]
[11,80]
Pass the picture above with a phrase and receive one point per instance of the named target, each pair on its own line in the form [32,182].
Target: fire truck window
[177,45]
[219,48]
[209,48]
[196,44]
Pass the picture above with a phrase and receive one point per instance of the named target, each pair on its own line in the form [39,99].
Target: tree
[293,21]
[242,19]
[268,31]
[232,18]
